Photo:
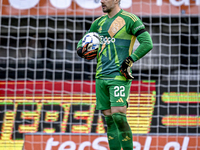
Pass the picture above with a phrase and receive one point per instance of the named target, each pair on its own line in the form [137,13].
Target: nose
[102,1]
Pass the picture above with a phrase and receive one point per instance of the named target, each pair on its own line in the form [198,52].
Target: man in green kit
[118,31]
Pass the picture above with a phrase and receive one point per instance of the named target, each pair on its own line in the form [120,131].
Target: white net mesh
[47,93]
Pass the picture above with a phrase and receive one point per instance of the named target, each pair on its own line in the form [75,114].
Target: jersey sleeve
[137,25]
[145,46]
[93,28]
[134,24]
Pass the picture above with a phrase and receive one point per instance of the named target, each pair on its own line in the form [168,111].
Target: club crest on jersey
[114,29]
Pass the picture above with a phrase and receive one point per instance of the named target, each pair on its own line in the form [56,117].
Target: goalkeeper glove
[126,68]
[82,52]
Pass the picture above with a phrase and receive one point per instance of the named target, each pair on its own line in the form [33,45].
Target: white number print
[119,91]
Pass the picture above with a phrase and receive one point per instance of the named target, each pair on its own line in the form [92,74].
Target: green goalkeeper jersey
[117,41]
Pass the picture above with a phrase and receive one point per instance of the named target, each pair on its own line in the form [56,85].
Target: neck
[114,12]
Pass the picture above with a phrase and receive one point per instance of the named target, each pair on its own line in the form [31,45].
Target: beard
[106,10]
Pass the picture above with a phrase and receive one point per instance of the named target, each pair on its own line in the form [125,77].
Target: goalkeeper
[118,30]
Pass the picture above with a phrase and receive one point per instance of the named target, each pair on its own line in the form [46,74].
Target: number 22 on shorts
[119,91]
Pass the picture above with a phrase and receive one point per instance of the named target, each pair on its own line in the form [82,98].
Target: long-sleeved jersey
[118,35]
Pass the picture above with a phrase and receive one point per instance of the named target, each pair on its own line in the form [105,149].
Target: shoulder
[129,16]
[99,19]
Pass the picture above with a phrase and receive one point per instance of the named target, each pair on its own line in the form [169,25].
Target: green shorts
[111,93]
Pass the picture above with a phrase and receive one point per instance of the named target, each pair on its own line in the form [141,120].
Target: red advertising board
[35,88]
[66,103]
[88,7]
[93,142]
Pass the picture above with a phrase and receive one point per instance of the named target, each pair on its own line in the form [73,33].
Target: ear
[117,1]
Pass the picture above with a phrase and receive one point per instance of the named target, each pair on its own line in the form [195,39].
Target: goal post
[47,92]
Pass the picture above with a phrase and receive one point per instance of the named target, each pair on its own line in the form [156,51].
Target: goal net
[47,92]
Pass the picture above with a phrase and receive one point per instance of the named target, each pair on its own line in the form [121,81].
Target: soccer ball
[92,38]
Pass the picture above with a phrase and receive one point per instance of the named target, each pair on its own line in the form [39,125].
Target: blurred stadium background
[47,93]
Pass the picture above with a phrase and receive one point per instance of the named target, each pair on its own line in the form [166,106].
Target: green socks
[124,131]
[112,134]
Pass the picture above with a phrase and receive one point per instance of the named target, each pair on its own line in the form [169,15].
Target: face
[108,5]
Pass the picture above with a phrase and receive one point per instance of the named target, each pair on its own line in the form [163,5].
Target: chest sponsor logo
[106,40]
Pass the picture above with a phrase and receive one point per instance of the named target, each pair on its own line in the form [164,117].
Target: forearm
[93,28]
[145,46]
[80,42]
